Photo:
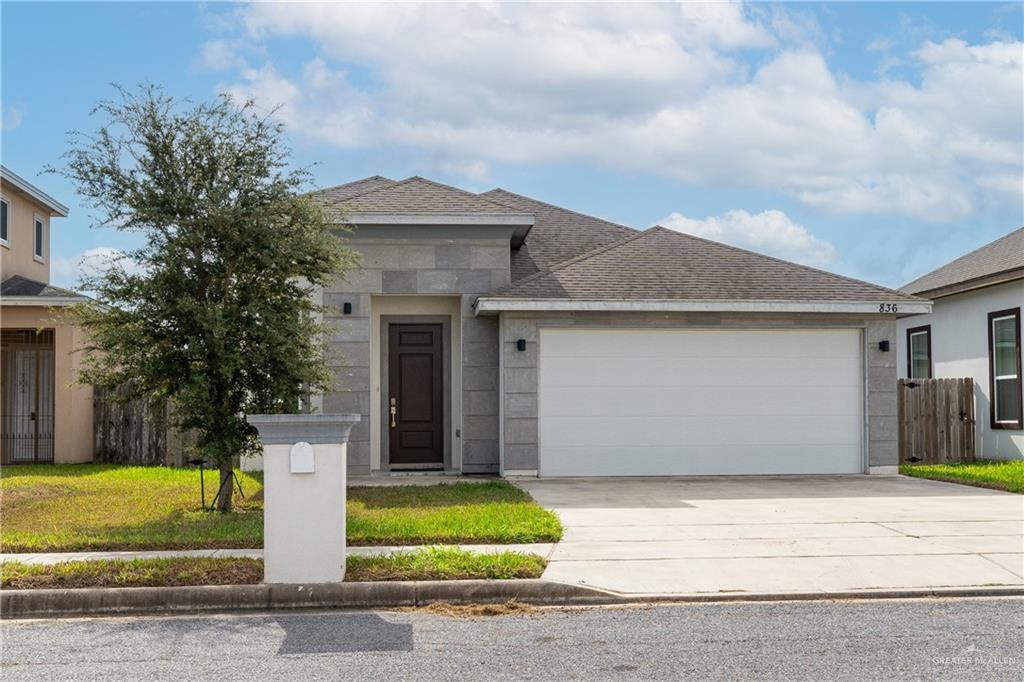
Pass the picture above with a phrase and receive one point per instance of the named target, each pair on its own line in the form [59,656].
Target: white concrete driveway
[781,534]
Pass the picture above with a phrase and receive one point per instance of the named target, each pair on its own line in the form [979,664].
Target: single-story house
[494,333]
[45,415]
[974,330]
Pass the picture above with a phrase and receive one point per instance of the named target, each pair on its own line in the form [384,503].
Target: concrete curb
[232,598]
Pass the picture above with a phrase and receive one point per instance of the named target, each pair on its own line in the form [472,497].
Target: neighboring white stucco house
[974,330]
[495,333]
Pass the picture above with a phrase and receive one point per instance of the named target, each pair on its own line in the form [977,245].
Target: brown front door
[415,406]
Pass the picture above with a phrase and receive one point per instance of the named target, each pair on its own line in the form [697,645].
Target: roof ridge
[559,208]
[357,194]
[419,178]
[956,260]
[570,261]
[787,262]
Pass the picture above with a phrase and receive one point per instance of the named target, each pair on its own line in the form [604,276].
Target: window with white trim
[5,219]
[1005,368]
[39,229]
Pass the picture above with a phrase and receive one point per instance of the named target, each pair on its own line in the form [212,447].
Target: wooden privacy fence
[936,420]
[136,432]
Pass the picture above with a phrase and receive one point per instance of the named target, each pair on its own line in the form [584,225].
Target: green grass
[433,563]
[488,512]
[1000,475]
[444,563]
[83,507]
[79,507]
[132,573]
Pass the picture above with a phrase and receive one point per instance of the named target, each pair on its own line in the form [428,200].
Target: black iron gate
[26,396]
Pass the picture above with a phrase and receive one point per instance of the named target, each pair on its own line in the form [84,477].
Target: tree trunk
[227,487]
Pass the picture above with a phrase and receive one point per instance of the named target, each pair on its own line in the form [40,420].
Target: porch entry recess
[415,404]
[26,396]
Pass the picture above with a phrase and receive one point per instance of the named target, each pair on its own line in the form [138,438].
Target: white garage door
[675,402]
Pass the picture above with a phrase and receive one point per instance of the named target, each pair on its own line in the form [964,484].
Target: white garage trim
[635,402]
[884,306]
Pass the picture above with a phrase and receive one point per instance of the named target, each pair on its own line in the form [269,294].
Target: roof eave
[989,280]
[55,207]
[43,301]
[491,305]
[520,222]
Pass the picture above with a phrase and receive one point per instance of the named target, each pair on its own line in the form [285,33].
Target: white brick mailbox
[304,463]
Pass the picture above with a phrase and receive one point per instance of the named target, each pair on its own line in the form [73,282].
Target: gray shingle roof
[558,234]
[330,195]
[17,285]
[662,264]
[1002,255]
[420,196]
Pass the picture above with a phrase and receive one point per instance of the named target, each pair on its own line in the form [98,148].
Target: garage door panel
[676,402]
[701,461]
[684,431]
[671,343]
[697,372]
[713,401]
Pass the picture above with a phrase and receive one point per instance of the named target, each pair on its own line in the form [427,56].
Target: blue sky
[874,140]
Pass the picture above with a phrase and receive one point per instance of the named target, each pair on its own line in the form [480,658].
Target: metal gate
[26,398]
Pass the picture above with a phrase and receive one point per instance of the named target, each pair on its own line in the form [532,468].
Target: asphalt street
[931,639]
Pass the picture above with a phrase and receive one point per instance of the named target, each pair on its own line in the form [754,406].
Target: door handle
[394,410]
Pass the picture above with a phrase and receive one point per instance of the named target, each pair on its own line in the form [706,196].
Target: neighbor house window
[919,352]
[5,213]
[38,248]
[1004,368]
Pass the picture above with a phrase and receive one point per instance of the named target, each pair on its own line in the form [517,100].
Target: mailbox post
[304,464]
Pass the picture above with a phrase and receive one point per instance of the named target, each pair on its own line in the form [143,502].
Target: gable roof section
[330,195]
[24,291]
[9,177]
[679,270]
[558,234]
[996,262]
[419,196]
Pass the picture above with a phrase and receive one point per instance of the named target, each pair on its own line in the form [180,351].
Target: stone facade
[420,261]
[520,376]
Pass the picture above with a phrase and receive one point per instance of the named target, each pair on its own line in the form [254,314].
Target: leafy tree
[214,311]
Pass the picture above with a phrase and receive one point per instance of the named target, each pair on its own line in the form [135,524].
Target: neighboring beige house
[974,330]
[45,416]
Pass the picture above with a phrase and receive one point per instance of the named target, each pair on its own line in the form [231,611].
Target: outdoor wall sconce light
[883,346]
[346,308]
[521,345]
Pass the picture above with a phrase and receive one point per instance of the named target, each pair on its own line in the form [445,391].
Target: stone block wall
[428,266]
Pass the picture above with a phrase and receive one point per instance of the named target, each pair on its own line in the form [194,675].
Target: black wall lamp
[346,308]
[883,346]
[521,344]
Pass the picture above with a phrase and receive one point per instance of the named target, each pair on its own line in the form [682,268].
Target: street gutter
[124,601]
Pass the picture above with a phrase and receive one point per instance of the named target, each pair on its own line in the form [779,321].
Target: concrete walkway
[700,536]
[540,549]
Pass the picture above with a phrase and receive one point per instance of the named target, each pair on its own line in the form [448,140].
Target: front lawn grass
[83,507]
[487,512]
[1005,475]
[432,563]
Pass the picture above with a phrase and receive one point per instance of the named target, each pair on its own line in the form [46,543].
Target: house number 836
[886,307]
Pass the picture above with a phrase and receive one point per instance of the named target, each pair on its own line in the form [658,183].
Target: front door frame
[446,377]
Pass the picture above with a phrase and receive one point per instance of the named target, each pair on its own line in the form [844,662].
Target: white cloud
[12,118]
[219,55]
[68,272]
[655,88]
[769,232]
